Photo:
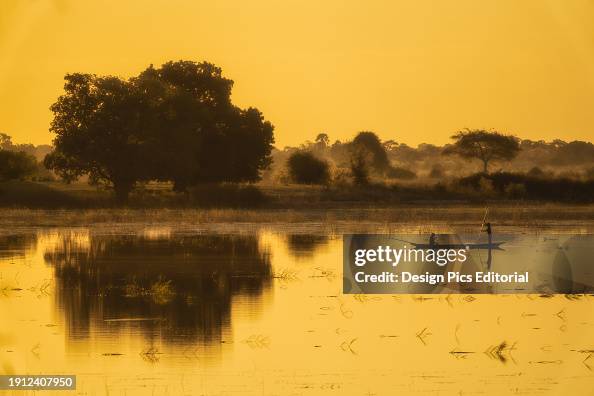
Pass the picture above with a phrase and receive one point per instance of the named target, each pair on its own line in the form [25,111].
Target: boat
[492,245]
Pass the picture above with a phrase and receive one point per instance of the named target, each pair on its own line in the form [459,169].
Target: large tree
[483,145]
[100,124]
[201,136]
[174,123]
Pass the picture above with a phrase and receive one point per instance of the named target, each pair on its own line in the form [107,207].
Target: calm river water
[160,311]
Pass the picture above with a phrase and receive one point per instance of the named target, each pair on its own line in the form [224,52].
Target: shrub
[536,172]
[485,186]
[535,188]
[400,173]
[515,190]
[16,165]
[305,168]
[436,172]
[226,196]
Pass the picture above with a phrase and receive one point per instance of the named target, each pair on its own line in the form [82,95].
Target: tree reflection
[179,288]
[305,245]
[16,245]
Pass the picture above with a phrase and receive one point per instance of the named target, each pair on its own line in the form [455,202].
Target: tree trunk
[485,164]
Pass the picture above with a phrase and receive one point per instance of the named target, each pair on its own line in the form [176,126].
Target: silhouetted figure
[432,240]
[489,232]
[490,236]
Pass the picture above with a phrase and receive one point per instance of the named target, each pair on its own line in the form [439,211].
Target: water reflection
[174,287]
[16,245]
[303,246]
[163,312]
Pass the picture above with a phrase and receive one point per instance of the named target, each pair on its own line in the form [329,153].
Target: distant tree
[536,172]
[38,152]
[483,145]
[16,165]
[400,173]
[323,140]
[5,141]
[436,172]
[359,167]
[306,168]
[368,146]
[390,145]
[574,153]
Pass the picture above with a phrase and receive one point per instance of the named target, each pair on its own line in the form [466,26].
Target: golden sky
[413,71]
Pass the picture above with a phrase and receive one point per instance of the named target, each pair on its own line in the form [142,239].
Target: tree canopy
[16,165]
[483,145]
[305,168]
[173,123]
[368,145]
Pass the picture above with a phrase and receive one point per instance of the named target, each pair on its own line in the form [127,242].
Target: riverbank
[412,218]
[56,195]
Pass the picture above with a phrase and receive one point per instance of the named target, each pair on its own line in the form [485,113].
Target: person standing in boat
[432,240]
[490,237]
[489,233]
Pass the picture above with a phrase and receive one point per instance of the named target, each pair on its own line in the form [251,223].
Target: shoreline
[335,220]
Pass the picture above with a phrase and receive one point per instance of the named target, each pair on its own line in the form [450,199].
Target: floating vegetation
[286,274]
[547,362]
[5,290]
[574,297]
[345,311]
[161,291]
[448,299]
[469,298]
[561,315]
[323,273]
[423,334]
[43,289]
[150,355]
[458,354]
[499,351]
[363,298]
[422,298]
[35,350]
[585,362]
[257,341]
[347,346]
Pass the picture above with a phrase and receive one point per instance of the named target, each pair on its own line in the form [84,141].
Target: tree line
[471,151]
[367,155]
[177,123]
